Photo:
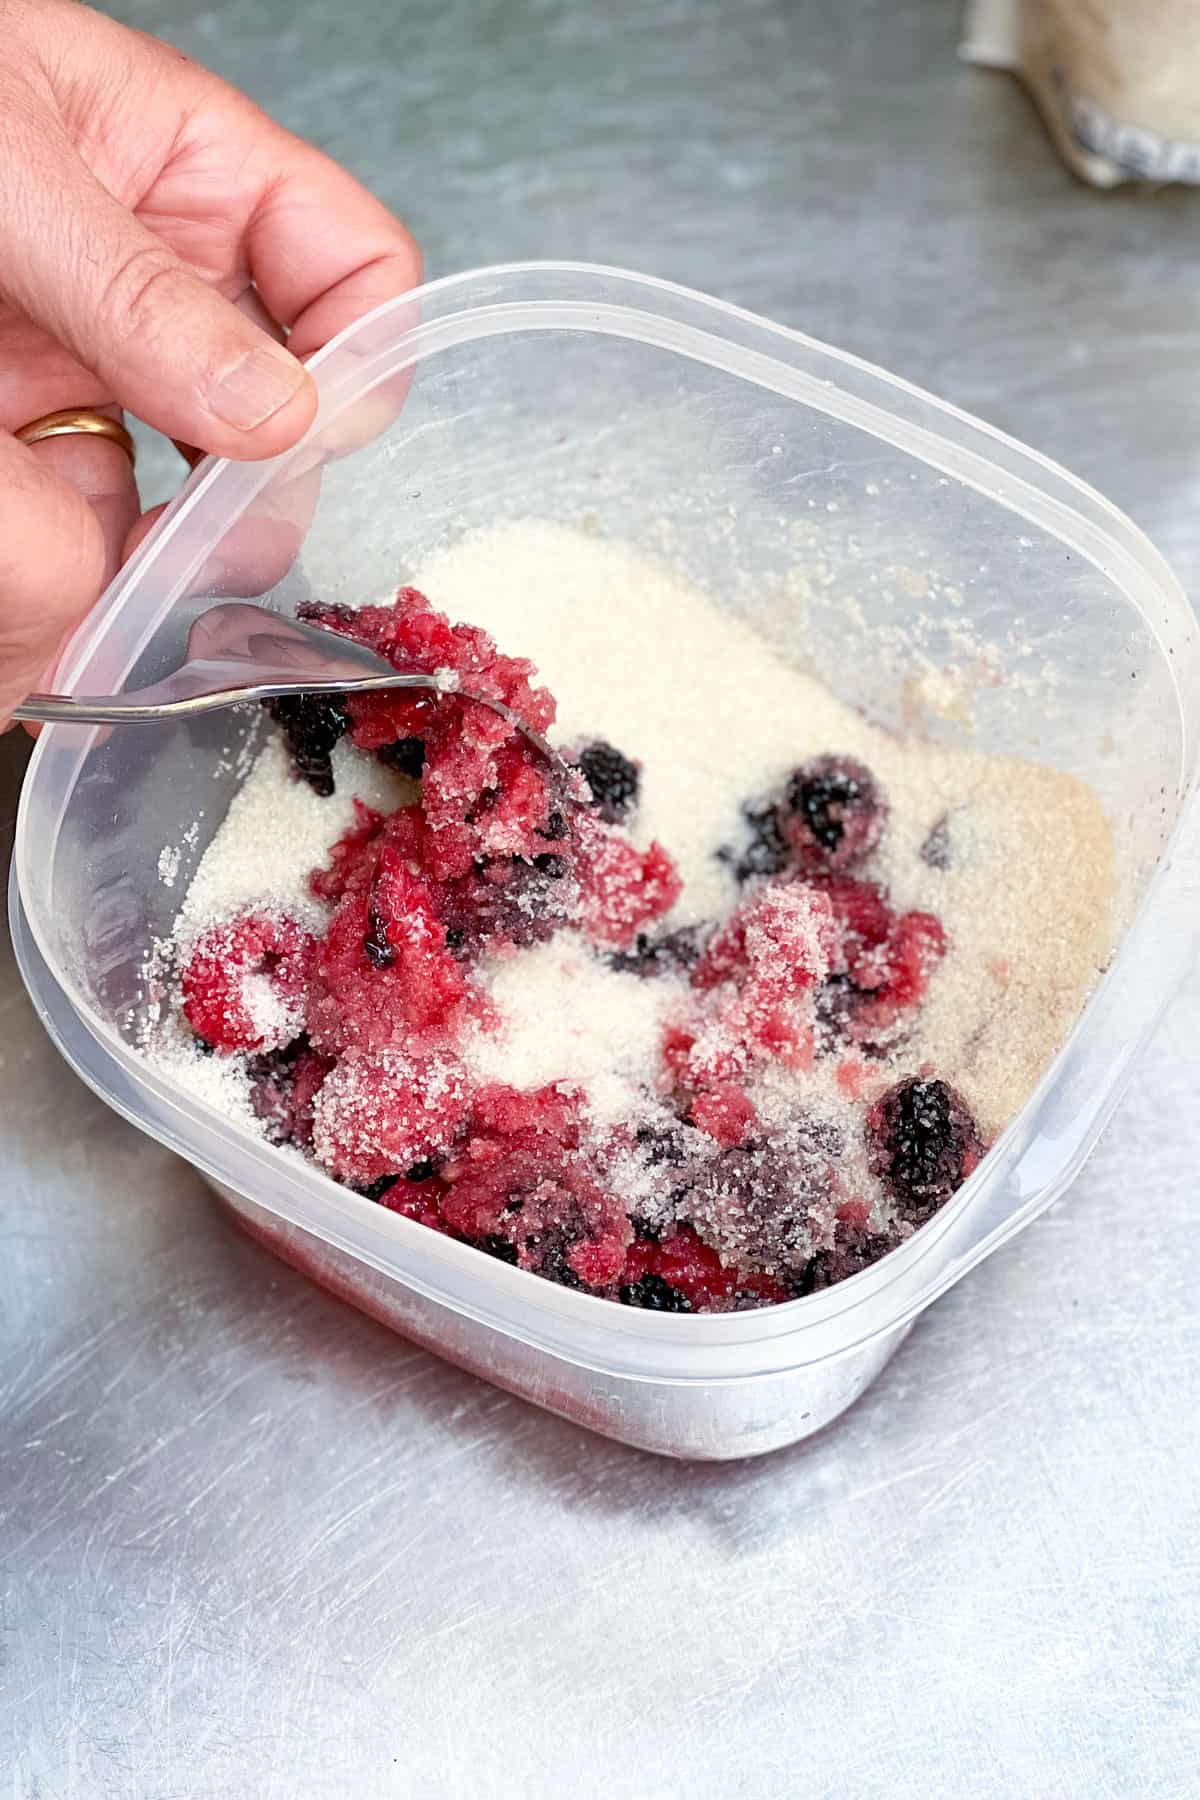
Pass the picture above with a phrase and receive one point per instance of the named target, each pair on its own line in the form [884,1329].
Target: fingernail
[256,387]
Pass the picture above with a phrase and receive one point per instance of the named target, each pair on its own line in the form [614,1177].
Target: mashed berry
[684,1187]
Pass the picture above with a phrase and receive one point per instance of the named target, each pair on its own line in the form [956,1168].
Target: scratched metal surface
[252,1545]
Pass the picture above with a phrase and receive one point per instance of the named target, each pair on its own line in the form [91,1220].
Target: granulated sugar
[639,656]
[276,831]
[1018,862]
[569,1017]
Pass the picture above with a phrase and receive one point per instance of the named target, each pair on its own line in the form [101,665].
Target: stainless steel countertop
[254,1545]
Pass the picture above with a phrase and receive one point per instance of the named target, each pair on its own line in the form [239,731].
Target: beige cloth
[1117,80]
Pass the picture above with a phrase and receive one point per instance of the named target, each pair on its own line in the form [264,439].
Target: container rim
[1073,513]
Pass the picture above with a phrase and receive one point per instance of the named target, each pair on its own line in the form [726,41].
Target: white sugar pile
[568,1016]
[639,656]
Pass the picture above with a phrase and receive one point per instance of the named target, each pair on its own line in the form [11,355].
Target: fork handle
[135,709]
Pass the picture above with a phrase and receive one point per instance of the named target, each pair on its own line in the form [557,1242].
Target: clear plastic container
[740,451]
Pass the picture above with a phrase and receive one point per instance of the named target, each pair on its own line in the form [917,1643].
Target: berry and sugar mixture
[714,1022]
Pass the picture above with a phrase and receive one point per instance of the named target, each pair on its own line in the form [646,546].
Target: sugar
[276,1017]
[277,830]
[566,1016]
[221,1082]
[639,656]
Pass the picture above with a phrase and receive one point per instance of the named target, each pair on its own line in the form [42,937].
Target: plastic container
[741,451]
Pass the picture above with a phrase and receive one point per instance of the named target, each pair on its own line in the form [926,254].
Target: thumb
[52,566]
[160,339]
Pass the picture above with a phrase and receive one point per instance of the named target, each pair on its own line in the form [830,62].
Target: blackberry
[935,851]
[675,950]
[555,828]
[661,1144]
[655,1294]
[312,725]
[406,756]
[834,812]
[272,1078]
[840,1008]
[768,852]
[613,779]
[752,1202]
[547,1254]
[525,909]
[852,1250]
[329,614]
[499,1247]
[375,1190]
[922,1144]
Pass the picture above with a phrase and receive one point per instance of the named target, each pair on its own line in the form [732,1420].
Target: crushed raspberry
[522,1176]
[244,982]
[348,854]
[881,965]
[379,1114]
[780,941]
[416,1200]
[688,1267]
[623,889]
[485,790]
[357,1040]
[724,1112]
[383,977]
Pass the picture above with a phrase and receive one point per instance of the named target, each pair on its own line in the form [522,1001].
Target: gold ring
[78,421]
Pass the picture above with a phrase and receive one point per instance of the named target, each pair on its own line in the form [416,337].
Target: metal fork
[239,652]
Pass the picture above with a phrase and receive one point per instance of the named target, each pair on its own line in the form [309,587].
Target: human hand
[157,231]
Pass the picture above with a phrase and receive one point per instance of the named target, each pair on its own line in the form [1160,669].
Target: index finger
[321,249]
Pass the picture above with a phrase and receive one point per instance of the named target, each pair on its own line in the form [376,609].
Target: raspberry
[244,982]
[521,1177]
[353,852]
[833,813]
[762,965]
[612,779]
[415,1199]
[622,888]
[379,1114]
[881,967]
[922,1143]
[780,940]
[689,1268]
[383,977]
[724,1113]
[312,725]
[484,789]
